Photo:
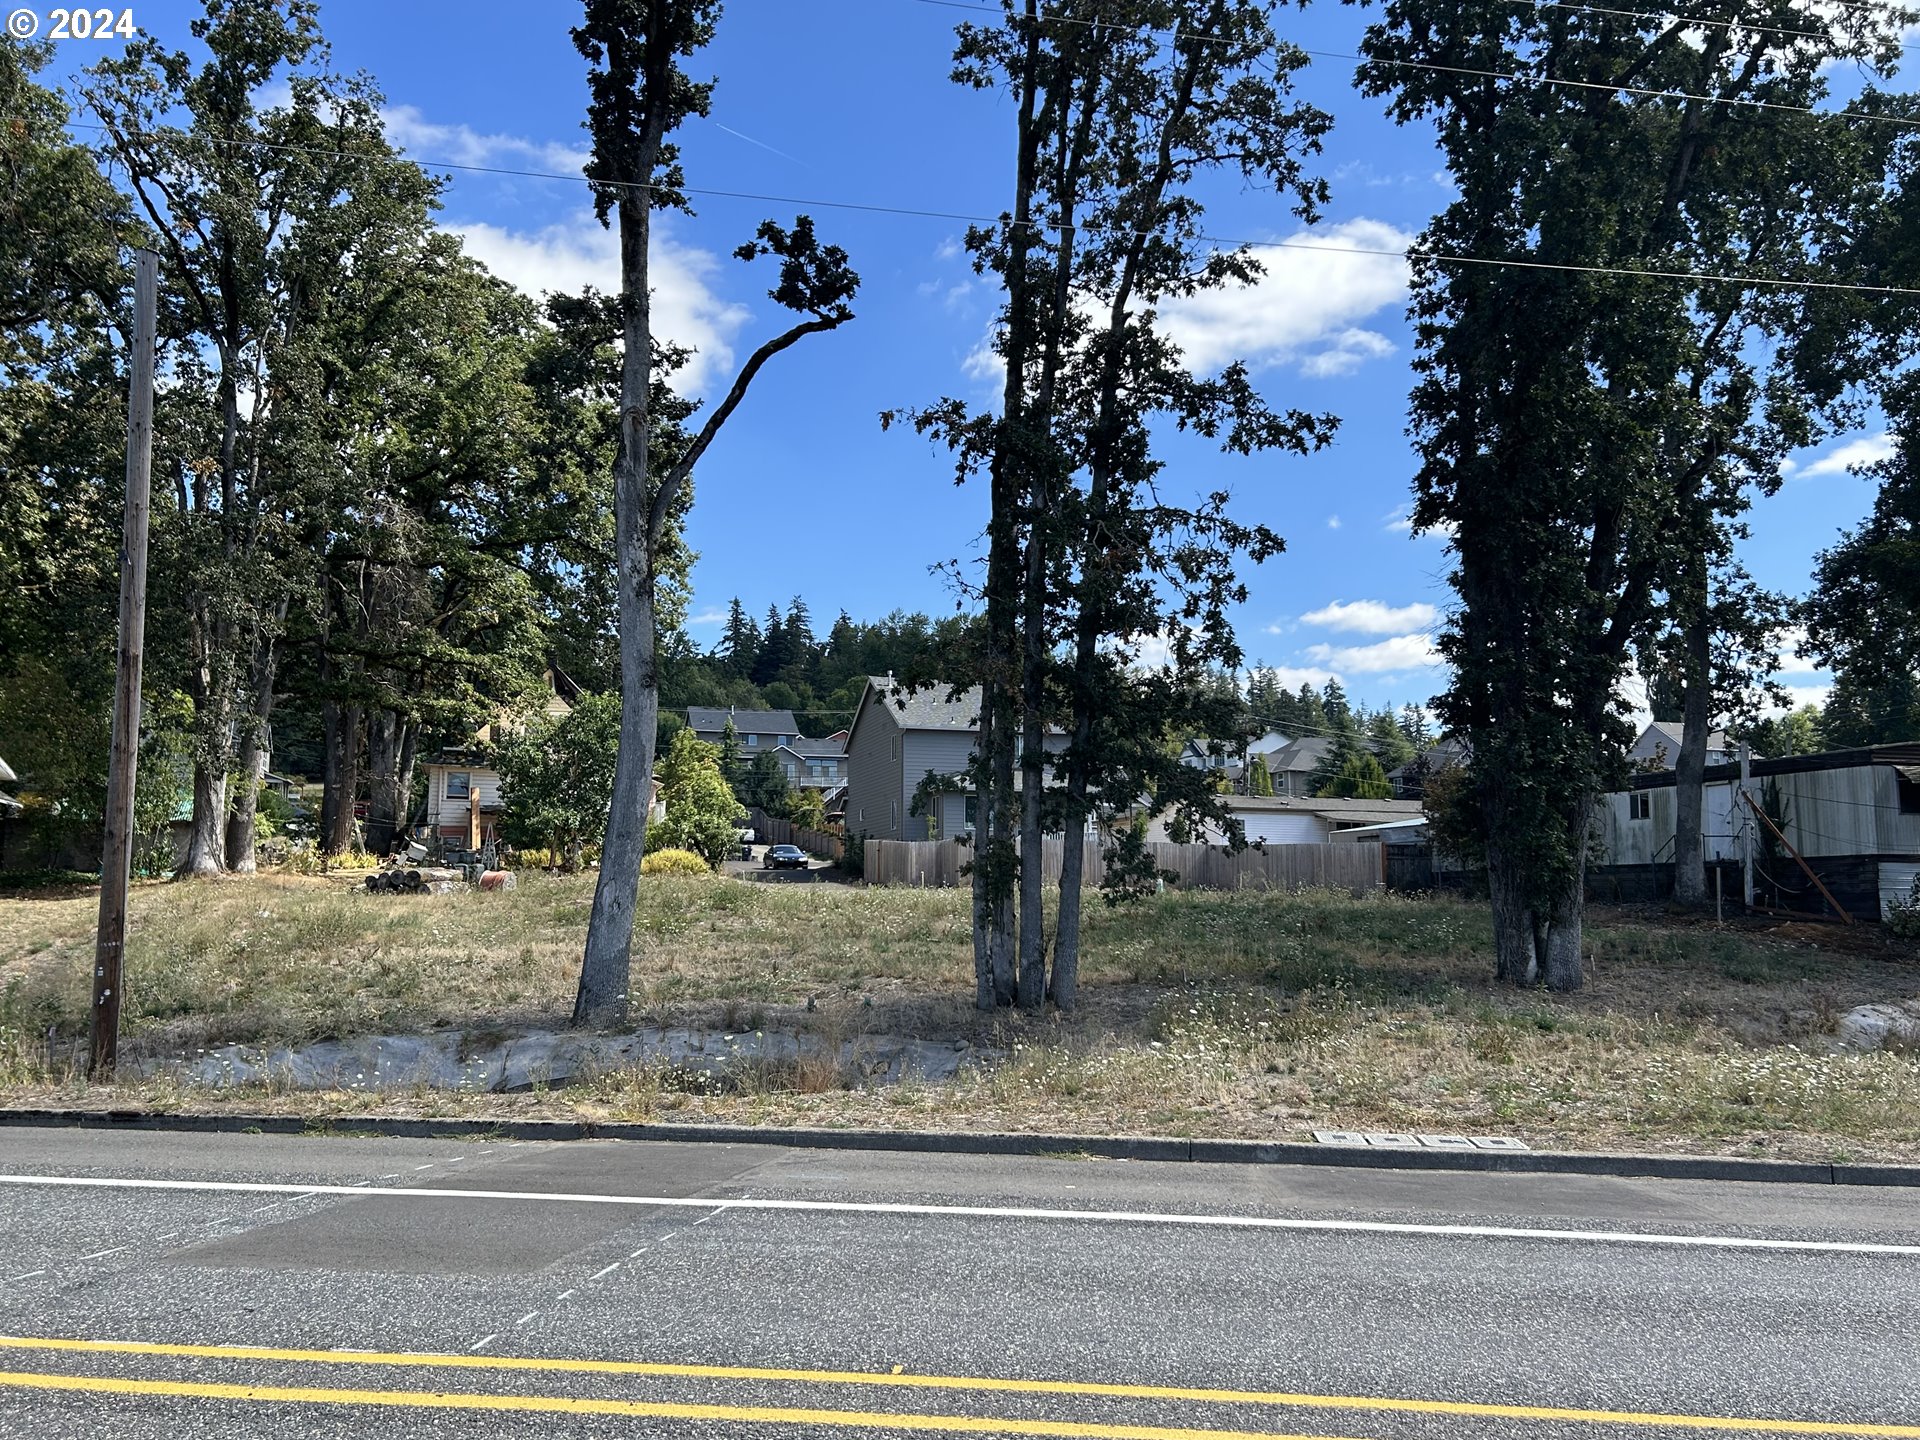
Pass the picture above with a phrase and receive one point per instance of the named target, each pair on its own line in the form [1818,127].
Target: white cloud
[1372,617]
[582,252]
[1304,310]
[427,141]
[1333,522]
[1798,695]
[1402,652]
[708,617]
[1794,659]
[983,363]
[1399,521]
[948,249]
[1867,450]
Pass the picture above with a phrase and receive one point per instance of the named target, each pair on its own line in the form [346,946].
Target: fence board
[776,831]
[1355,868]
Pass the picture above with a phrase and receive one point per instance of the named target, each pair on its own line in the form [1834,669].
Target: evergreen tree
[1414,725]
[1360,778]
[1311,715]
[1259,777]
[1387,744]
[1333,701]
[730,754]
[740,645]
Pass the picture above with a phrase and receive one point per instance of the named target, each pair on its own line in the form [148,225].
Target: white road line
[28,1276]
[641,1251]
[98,1254]
[998,1212]
[484,1343]
[170,1235]
[608,1271]
[563,1295]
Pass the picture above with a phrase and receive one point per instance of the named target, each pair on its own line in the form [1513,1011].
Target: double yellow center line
[884,1420]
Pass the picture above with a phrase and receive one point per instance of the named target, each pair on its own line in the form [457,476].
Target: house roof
[1394,825]
[1446,751]
[1673,730]
[804,747]
[758,722]
[1330,807]
[1302,754]
[1902,756]
[927,707]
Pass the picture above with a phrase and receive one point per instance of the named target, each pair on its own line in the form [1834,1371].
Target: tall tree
[1583,424]
[1864,615]
[740,644]
[639,96]
[258,210]
[1115,131]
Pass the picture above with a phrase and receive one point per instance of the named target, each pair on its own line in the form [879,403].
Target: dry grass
[1244,1014]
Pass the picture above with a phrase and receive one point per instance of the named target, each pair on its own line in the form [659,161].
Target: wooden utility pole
[116,862]
[1746,825]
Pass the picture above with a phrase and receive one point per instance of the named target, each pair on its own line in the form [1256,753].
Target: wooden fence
[785,832]
[1357,868]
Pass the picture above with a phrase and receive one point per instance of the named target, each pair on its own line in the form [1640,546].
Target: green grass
[1249,1013]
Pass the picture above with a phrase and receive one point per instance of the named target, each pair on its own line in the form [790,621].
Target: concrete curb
[960,1142]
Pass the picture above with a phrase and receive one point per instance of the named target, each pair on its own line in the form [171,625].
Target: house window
[1906,780]
[893,815]
[1640,805]
[753,739]
[459,784]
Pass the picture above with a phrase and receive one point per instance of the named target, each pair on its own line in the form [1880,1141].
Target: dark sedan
[784,857]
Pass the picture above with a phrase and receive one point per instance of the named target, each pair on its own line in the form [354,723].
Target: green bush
[1903,916]
[674,862]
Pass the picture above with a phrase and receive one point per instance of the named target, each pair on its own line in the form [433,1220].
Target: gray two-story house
[813,764]
[758,729]
[898,737]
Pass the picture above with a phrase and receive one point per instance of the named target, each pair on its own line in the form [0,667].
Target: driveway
[818,872]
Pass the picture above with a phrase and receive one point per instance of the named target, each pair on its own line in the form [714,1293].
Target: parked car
[784,857]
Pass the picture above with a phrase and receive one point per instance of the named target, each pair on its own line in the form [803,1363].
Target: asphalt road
[254,1285]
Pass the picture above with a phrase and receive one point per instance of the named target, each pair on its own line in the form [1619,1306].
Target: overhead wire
[1577,6]
[1409,254]
[1478,73]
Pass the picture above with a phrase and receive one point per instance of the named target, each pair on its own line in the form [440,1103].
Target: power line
[1661,15]
[1437,68]
[1439,257]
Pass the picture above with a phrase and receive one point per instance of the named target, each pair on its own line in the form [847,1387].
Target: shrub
[1903,916]
[674,862]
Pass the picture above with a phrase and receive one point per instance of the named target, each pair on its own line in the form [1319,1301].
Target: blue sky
[849,100]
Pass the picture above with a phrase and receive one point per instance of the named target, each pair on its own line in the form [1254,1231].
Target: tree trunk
[206,842]
[1032,992]
[1064,984]
[605,968]
[386,787]
[1516,960]
[256,756]
[1689,769]
[330,720]
[343,764]
[982,871]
